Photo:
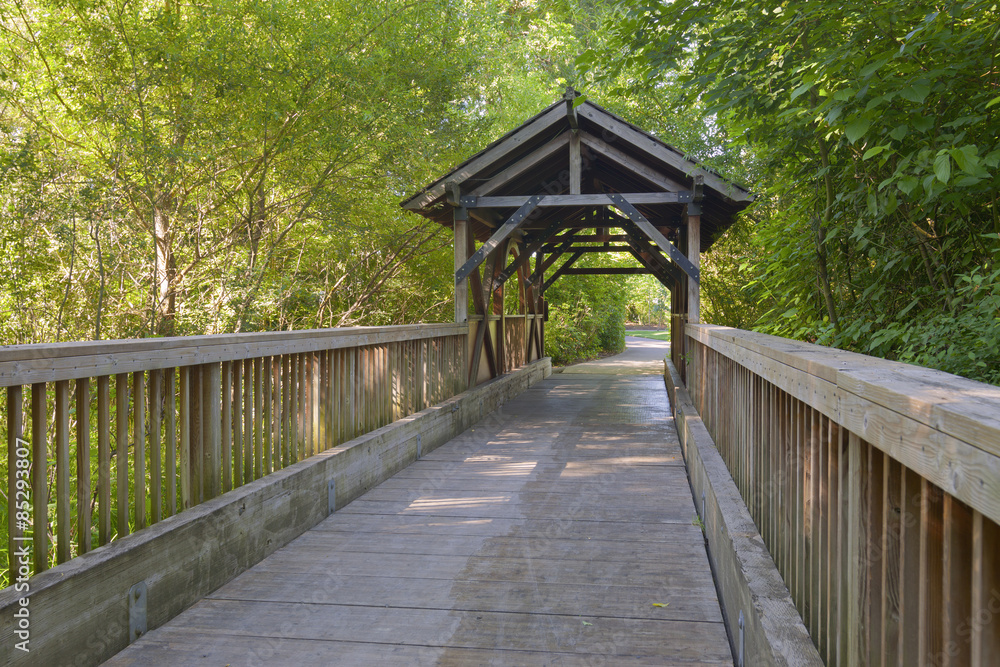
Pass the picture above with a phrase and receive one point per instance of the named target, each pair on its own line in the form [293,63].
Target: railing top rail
[26,364]
[962,408]
[944,427]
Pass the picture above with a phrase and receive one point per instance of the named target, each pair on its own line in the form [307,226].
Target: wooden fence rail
[177,421]
[876,486]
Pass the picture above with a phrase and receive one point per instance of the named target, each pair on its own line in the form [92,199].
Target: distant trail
[643,356]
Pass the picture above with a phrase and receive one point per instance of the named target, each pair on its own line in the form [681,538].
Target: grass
[658,335]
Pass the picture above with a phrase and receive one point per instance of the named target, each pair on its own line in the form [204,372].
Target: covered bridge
[435,494]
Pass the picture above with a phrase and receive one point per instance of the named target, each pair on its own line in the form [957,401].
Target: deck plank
[549,534]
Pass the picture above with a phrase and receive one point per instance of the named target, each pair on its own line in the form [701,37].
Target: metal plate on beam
[656,236]
[138,595]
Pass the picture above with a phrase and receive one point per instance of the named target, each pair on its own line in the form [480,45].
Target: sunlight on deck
[424,504]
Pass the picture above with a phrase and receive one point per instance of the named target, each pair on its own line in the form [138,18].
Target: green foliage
[873,144]
[586,314]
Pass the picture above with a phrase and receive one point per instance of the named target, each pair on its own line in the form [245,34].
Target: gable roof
[617,157]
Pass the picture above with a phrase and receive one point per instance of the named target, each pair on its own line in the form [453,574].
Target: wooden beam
[642,248]
[561,271]
[694,258]
[513,222]
[609,271]
[539,270]
[594,248]
[622,159]
[626,207]
[461,227]
[524,164]
[516,140]
[662,274]
[662,152]
[527,252]
[575,164]
[511,201]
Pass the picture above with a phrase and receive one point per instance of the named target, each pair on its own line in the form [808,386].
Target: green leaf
[966,157]
[872,205]
[872,152]
[857,128]
[899,131]
[916,93]
[907,184]
[804,88]
[993,102]
[942,167]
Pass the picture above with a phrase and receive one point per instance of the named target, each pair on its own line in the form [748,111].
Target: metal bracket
[419,446]
[626,207]
[685,196]
[137,598]
[508,228]
[331,496]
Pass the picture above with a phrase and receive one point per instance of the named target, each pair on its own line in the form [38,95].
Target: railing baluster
[185,401]
[17,463]
[267,380]
[121,453]
[234,421]
[169,392]
[83,500]
[232,470]
[155,445]
[909,567]
[250,470]
[63,521]
[212,429]
[258,404]
[104,459]
[139,446]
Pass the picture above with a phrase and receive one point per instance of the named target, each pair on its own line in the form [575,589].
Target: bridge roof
[616,157]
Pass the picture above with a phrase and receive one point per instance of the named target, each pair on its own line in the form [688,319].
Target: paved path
[558,531]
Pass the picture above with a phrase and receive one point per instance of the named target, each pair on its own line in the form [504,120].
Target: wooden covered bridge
[434,494]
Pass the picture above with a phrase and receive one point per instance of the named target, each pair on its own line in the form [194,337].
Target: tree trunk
[165,269]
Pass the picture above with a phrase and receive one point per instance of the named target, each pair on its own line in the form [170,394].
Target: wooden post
[461,257]
[575,163]
[694,254]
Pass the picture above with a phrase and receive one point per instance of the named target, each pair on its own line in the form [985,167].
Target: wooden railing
[106,438]
[875,485]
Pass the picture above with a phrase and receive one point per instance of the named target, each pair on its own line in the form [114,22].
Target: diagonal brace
[499,236]
[562,269]
[656,237]
[526,254]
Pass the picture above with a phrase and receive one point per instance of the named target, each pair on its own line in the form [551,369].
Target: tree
[879,222]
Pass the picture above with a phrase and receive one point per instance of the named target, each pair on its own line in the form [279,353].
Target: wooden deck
[558,531]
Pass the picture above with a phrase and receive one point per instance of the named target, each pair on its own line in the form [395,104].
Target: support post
[694,256]
[461,222]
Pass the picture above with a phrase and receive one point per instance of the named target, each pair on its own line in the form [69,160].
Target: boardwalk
[558,531]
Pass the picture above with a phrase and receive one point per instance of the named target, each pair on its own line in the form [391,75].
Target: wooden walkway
[558,531]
